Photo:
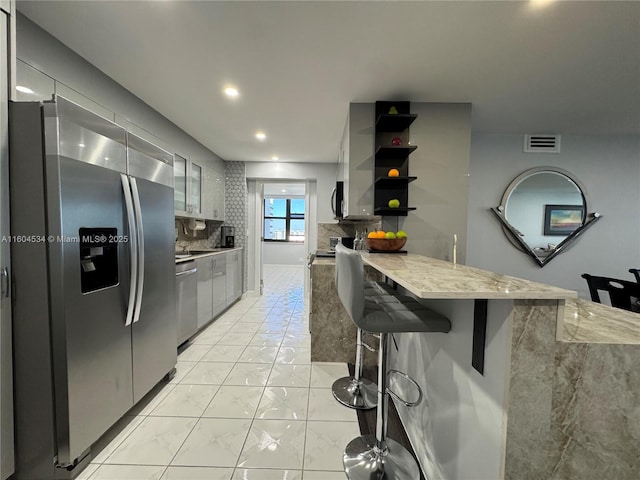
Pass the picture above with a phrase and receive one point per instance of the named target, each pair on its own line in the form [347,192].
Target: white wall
[442,133]
[323,173]
[457,429]
[289,253]
[609,169]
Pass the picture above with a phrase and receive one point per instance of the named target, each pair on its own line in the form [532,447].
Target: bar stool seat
[355,391]
[377,457]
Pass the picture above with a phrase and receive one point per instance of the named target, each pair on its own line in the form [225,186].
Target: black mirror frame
[514,235]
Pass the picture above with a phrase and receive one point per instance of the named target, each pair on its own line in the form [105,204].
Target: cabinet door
[219,284]
[180,184]
[234,276]
[217,190]
[41,86]
[358,161]
[207,191]
[205,291]
[239,274]
[195,191]
[232,260]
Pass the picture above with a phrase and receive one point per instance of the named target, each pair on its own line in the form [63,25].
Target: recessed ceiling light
[22,89]
[261,135]
[274,157]
[81,144]
[540,3]
[231,92]
[283,191]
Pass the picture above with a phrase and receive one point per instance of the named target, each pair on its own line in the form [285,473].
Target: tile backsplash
[343,229]
[199,239]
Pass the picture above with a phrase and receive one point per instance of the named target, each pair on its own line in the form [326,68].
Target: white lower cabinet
[205,287]
[234,276]
[219,292]
[219,284]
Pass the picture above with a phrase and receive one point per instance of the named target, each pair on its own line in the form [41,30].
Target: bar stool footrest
[362,395]
[363,461]
[406,403]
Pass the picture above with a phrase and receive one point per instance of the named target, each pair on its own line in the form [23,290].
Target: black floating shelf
[393,212]
[393,181]
[394,123]
[394,151]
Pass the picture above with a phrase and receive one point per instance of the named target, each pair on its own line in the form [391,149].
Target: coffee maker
[227,237]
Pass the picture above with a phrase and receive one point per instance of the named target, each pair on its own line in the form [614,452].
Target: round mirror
[543,207]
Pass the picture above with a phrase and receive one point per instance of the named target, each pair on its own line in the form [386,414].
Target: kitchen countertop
[590,322]
[205,252]
[431,278]
[584,321]
[562,373]
[324,261]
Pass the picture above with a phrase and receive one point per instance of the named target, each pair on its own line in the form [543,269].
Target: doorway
[282,225]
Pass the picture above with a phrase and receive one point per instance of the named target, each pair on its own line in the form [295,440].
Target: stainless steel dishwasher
[187,299]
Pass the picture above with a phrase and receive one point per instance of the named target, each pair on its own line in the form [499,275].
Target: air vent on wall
[542,143]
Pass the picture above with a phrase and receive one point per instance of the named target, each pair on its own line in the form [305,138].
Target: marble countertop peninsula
[590,322]
[431,278]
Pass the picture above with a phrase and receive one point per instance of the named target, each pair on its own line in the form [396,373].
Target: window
[284,219]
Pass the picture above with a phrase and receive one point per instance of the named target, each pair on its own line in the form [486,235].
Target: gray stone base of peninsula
[574,408]
[333,334]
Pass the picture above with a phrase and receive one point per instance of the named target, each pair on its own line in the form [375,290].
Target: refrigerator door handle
[140,233]
[133,248]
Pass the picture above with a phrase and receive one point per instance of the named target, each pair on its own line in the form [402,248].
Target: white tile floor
[245,404]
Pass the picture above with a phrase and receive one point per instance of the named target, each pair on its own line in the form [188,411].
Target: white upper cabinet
[195,190]
[180,184]
[213,193]
[188,184]
[199,188]
[34,85]
[356,161]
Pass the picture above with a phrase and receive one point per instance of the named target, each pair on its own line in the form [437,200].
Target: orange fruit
[381,233]
[372,235]
[394,172]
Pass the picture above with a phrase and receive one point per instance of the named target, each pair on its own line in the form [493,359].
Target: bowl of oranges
[382,241]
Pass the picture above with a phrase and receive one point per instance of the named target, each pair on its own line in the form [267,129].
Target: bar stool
[376,457]
[355,391]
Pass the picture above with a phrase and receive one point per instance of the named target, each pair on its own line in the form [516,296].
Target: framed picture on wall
[562,219]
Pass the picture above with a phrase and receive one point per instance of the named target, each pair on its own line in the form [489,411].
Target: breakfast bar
[560,384]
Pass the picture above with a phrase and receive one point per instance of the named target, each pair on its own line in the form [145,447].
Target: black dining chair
[622,293]
[636,273]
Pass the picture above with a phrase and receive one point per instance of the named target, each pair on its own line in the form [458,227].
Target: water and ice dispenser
[98,258]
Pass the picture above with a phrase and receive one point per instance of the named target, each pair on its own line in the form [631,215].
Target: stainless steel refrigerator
[93,270]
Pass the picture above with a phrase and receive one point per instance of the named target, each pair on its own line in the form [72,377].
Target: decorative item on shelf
[394,203]
[386,244]
[396,141]
[393,111]
[394,172]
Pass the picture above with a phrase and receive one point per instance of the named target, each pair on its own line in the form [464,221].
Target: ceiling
[526,66]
